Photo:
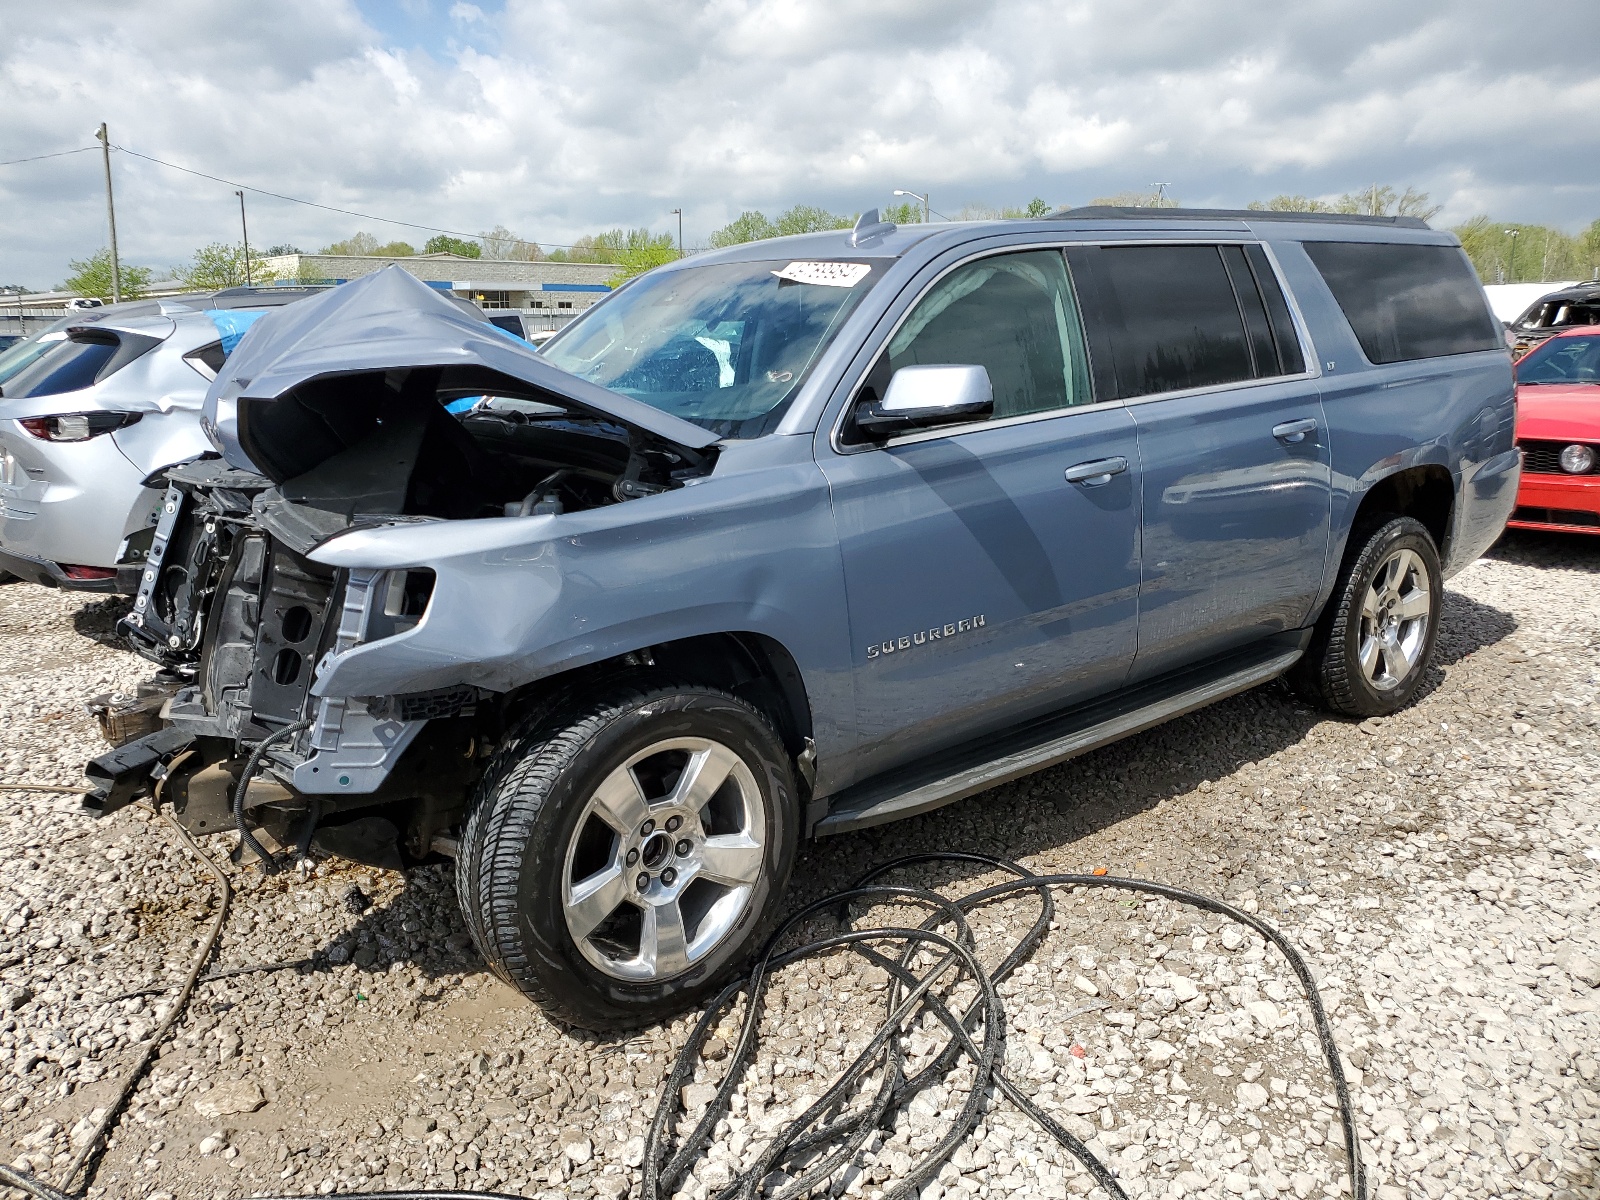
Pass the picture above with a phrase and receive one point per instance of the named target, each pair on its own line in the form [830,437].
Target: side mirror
[926,397]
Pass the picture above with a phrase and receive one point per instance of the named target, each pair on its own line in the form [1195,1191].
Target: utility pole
[1512,269]
[679,212]
[111,215]
[245,229]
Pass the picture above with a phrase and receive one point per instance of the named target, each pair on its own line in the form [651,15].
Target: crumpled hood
[388,320]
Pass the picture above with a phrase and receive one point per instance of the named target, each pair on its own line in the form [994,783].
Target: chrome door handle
[1291,432]
[1100,471]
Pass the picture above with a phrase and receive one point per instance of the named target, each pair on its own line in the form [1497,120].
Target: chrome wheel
[1394,620]
[663,860]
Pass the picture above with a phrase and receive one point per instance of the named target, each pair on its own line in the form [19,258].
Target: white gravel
[1441,870]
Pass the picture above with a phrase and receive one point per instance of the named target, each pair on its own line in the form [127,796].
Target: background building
[548,294]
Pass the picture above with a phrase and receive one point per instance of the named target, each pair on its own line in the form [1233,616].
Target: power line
[233,183]
[39,157]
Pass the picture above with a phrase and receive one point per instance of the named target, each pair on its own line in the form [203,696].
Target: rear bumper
[1564,503]
[43,571]
[1484,501]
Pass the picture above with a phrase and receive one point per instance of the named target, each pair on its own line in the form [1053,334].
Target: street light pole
[245,228]
[111,215]
[1161,192]
[679,212]
[1512,234]
[926,209]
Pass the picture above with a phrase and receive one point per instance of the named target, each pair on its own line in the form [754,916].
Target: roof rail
[1113,212]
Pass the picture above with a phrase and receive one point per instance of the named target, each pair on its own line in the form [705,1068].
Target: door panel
[1236,487]
[1235,519]
[982,586]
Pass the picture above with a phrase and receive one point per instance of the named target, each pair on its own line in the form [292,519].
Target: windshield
[1562,360]
[29,349]
[724,346]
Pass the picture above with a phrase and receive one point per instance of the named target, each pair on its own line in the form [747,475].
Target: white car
[90,408]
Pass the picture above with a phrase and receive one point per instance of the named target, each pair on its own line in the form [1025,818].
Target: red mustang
[1558,428]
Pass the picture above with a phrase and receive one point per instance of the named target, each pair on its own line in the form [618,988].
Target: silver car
[92,406]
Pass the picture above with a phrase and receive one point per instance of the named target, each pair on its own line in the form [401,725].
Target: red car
[1558,428]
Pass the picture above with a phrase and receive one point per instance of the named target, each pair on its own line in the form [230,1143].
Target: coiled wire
[807,1154]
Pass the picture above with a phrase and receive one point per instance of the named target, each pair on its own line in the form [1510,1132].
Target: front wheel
[621,861]
[1373,644]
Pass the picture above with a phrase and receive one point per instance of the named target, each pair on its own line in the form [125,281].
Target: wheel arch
[1425,492]
[755,667]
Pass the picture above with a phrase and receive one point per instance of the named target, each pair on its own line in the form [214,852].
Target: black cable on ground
[113,1110]
[269,864]
[806,1154]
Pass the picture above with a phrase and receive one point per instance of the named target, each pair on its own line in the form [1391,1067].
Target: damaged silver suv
[796,538]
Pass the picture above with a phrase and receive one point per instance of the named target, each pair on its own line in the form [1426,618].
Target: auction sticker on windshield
[825,274]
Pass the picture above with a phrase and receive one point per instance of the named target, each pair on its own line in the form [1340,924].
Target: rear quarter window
[81,359]
[1407,302]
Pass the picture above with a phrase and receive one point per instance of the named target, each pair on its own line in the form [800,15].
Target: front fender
[519,599]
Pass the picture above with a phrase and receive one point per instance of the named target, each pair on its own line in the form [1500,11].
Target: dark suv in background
[798,537]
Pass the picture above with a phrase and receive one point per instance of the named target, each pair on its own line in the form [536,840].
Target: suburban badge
[923,636]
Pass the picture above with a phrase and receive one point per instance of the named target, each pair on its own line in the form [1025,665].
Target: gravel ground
[1441,870]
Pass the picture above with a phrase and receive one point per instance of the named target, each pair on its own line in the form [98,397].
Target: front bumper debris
[120,777]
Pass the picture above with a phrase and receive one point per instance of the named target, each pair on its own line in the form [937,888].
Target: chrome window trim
[1297,318]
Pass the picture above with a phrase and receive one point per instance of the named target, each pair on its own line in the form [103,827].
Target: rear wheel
[623,860]
[1373,644]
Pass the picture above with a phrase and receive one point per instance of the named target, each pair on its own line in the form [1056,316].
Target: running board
[1037,745]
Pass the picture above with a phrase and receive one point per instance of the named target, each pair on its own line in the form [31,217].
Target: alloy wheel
[663,860]
[1394,620]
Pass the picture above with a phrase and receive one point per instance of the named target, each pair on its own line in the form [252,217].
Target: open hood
[392,320]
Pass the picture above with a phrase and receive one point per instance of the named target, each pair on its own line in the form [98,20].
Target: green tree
[443,243]
[280,248]
[1537,253]
[363,245]
[1381,200]
[92,277]
[1037,208]
[218,265]
[1137,200]
[501,243]
[1589,249]
[746,227]
[1290,204]
[905,213]
[638,251]
[808,218]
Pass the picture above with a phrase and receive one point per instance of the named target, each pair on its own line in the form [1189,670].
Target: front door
[1232,440]
[985,586]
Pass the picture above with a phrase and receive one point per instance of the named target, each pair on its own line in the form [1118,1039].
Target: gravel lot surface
[1441,870]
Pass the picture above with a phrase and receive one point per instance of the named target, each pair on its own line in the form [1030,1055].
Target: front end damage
[246,627]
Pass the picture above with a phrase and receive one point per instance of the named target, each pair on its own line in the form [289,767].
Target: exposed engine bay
[238,618]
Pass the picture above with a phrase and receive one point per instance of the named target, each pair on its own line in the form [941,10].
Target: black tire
[534,815]
[1332,674]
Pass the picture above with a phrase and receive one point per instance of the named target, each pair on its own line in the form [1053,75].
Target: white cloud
[556,119]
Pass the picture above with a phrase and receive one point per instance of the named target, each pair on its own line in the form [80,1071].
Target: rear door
[1198,340]
[983,586]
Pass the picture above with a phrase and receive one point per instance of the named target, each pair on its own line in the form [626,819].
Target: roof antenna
[869,228]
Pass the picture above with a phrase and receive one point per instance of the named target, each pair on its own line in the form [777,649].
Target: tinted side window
[1166,316]
[1013,315]
[68,366]
[1407,302]
[1290,360]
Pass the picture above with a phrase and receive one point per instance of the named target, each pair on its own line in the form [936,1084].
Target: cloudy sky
[559,117]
